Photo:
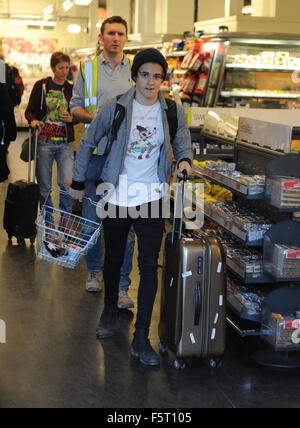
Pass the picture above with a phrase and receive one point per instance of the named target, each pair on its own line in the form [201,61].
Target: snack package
[283,192]
[187,59]
[281,331]
[281,261]
[201,84]
[196,62]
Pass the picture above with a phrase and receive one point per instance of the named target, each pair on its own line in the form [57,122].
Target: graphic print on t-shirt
[54,129]
[144,145]
[139,182]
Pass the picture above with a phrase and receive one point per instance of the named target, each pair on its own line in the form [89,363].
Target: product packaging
[281,331]
[283,192]
[281,261]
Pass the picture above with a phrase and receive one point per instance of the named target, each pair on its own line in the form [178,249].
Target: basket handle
[55,189]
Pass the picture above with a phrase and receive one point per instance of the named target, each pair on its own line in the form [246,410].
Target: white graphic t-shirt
[139,182]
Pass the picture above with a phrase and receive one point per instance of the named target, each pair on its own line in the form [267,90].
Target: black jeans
[149,233]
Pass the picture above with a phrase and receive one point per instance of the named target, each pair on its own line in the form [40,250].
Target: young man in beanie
[105,77]
[142,154]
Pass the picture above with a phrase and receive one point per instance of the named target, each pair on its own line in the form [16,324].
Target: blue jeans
[94,258]
[63,153]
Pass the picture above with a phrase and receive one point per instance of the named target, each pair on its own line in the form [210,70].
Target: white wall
[288,9]
[119,7]
[211,9]
[145,12]
[270,16]
[180,16]
[264,8]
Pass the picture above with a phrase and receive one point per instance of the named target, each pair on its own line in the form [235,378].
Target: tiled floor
[52,359]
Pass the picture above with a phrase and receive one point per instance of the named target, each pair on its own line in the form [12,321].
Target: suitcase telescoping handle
[33,133]
[174,231]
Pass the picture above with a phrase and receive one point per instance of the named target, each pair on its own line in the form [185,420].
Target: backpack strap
[172,118]
[119,116]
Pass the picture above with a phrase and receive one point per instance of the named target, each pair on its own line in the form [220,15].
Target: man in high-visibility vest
[106,76]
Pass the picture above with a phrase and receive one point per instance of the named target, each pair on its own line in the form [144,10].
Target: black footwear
[142,349]
[108,320]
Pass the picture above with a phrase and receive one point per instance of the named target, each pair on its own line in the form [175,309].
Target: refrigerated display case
[254,70]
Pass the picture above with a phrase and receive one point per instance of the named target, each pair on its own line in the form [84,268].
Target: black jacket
[8,127]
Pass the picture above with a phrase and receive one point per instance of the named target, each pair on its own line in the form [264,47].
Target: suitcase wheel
[162,348]
[179,364]
[21,242]
[216,363]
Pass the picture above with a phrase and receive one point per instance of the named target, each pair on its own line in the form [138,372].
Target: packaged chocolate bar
[283,192]
[280,330]
[281,261]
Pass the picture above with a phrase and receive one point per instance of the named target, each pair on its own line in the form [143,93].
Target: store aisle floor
[52,358]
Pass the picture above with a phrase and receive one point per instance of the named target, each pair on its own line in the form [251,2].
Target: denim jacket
[99,133]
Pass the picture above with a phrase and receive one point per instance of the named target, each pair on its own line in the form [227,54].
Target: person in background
[150,166]
[8,128]
[14,83]
[107,76]
[48,111]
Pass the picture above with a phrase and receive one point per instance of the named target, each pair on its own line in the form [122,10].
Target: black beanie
[149,55]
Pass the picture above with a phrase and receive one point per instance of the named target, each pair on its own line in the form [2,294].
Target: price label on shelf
[291,184]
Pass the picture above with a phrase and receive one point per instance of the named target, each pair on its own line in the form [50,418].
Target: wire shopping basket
[64,238]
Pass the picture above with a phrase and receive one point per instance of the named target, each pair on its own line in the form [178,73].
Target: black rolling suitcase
[193,307]
[21,204]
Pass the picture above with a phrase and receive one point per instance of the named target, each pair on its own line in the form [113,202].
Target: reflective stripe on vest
[89,71]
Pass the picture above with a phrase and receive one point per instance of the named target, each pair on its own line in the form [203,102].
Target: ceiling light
[247,10]
[67,5]
[48,13]
[83,2]
[74,28]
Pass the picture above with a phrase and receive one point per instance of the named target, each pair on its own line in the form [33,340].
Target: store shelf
[228,183]
[287,68]
[259,94]
[176,54]
[247,279]
[236,306]
[228,226]
[232,229]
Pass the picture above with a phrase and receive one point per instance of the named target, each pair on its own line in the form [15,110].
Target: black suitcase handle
[197,303]
[33,133]
[174,231]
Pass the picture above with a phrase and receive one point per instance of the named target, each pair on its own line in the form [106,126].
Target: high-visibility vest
[89,70]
